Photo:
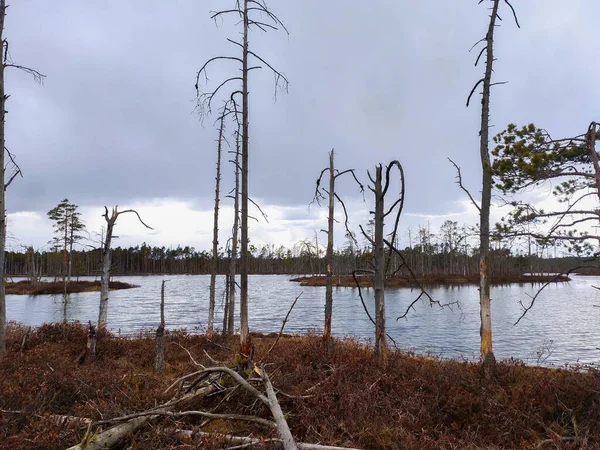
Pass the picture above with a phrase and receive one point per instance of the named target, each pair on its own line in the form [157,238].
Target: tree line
[429,254]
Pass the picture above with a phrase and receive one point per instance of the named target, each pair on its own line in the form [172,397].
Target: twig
[283,324]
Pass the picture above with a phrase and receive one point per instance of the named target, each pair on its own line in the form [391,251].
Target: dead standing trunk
[379,278]
[106,260]
[2,191]
[159,358]
[244,345]
[234,240]
[4,183]
[329,254]
[215,249]
[242,10]
[487,353]
[332,197]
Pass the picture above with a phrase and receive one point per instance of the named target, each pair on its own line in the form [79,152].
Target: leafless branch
[473,91]
[283,324]
[546,284]
[37,76]
[460,184]
[259,208]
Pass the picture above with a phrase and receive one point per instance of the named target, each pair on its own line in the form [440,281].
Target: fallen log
[242,440]
[111,437]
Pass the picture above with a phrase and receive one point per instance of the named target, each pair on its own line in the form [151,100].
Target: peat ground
[341,397]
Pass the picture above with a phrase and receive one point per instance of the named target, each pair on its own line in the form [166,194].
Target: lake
[563,324]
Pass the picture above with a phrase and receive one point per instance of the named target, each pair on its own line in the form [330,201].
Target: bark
[282,426]
[70,263]
[487,353]
[215,249]
[159,359]
[2,190]
[379,279]
[244,344]
[234,241]
[329,254]
[106,261]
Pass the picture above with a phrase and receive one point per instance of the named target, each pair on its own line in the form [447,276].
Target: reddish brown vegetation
[27,287]
[427,280]
[416,402]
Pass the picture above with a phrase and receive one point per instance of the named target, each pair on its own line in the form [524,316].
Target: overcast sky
[114,123]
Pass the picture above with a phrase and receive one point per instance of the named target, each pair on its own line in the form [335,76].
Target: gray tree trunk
[105,274]
[106,260]
[159,359]
[379,263]
[70,263]
[244,330]
[329,254]
[215,249]
[487,353]
[2,181]
[234,242]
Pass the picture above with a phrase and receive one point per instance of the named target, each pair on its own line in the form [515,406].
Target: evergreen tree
[68,230]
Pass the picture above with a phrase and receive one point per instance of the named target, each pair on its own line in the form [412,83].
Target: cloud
[114,123]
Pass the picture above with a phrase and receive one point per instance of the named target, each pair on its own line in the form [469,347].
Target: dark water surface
[564,314]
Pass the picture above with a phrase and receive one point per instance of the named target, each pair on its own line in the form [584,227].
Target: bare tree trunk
[70,262]
[91,342]
[2,190]
[244,330]
[215,249]
[106,260]
[159,359]
[329,256]
[234,240]
[487,353]
[105,274]
[379,279]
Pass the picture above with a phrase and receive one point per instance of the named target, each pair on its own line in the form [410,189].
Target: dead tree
[230,306]
[106,259]
[159,358]
[487,353]
[331,197]
[5,62]
[245,10]
[215,249]
[381,262]
[379,190]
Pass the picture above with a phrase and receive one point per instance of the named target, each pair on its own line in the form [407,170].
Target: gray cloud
[376,80]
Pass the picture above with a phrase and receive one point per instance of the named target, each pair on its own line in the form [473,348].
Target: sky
[114,121]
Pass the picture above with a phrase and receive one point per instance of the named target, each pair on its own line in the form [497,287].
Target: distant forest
[303,258]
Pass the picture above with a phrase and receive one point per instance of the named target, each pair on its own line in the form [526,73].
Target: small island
[427,280]
[28,287]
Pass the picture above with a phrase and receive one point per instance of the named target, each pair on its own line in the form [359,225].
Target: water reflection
[564,314]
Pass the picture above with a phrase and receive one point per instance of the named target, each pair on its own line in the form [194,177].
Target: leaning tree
[252,15]
[6,62]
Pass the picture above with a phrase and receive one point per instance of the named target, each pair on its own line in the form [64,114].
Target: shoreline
[26,287]
[428,280]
